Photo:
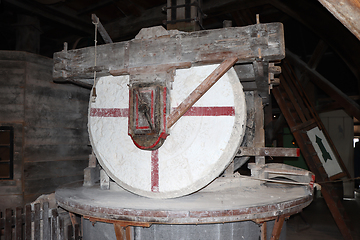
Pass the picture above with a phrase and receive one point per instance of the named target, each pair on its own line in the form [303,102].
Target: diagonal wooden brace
[195,95]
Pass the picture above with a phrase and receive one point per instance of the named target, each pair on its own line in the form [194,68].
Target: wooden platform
[224,200]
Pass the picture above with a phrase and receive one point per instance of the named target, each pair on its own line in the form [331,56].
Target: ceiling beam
[349,105]
[54,14]
[347,12]
[94,7]
[315,17]
[131,25]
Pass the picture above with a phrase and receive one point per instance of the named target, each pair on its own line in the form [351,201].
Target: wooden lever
[195,95]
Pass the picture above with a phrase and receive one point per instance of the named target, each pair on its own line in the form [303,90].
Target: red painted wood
[155,171]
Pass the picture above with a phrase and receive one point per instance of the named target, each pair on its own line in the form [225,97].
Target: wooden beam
[317,54]
[269,151]
[347,12]
[277,228]
[350,106]
[93,7]
[127,27]
[54,14]
[195,95]
[201,47]
[315,17]
[101,29]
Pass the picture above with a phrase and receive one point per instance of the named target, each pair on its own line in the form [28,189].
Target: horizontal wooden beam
[349,105]
[268,151]
[199,48]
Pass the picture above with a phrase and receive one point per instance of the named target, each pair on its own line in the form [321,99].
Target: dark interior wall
[50,127]
[12,99]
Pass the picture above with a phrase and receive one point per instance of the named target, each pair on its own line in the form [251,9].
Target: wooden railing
[37,222]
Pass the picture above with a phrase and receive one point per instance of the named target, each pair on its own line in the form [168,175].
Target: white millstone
[197,150]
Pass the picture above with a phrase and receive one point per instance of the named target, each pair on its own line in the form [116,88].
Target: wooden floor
[316,222]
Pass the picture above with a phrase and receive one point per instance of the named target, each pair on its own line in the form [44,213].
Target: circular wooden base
[224,200]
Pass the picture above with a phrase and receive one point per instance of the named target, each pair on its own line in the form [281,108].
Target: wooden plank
[13,67]
[195,95]
[11,190]
[28,222]
[54,228]
[76,231]
[56,135]
[69,232]
[53,169]
[45,218]
[54,152]
[12,113]
[11,95]
[269,151]
[33,188]
[37,221]
[18,224]
[8,230]
[10,58]
[290,94]
[61,230]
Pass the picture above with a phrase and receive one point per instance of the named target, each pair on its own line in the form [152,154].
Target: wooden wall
[50,126]
[12,95]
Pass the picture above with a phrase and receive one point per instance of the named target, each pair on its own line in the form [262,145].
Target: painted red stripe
[194,111]
[210,111]
[155,171]
[109,112]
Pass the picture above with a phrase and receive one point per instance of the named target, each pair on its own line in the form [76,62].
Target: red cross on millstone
[193,111]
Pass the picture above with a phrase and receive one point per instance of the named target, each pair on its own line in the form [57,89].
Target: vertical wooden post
[8,216]
[69,232]
[263,231]
[61,229]
[28,222]
[37,221]
[54,218]
[76,232]
[18,224]
[277,228]
[46,225]
[259,139]
[119,232]
[128,232]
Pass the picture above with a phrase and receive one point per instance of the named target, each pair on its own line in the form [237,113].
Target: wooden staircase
[301,117]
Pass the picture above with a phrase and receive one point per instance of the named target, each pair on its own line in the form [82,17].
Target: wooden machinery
[172,116]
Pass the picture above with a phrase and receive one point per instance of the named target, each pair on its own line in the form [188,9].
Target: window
[6,152]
